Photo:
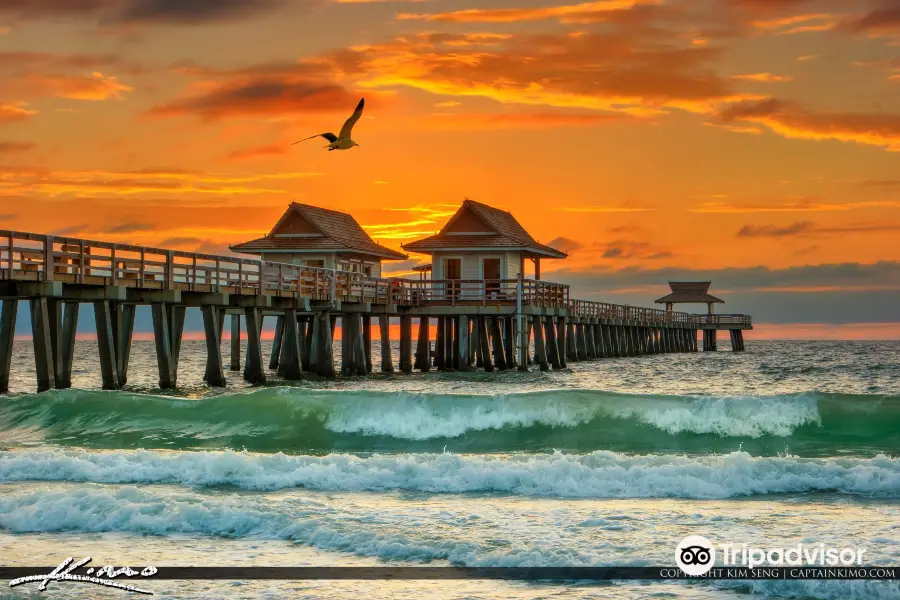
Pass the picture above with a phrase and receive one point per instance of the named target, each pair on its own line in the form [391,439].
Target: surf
[323,421]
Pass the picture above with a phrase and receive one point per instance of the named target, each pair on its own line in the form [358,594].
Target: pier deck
[480,323]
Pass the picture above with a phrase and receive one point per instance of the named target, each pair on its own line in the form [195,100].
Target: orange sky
[642,136]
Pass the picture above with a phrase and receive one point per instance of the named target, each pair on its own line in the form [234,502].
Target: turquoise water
[609,462]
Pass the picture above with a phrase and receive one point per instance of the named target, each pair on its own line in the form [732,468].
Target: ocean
[609,462]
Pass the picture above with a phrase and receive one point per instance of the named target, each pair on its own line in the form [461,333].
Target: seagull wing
[349,123]
[328,136]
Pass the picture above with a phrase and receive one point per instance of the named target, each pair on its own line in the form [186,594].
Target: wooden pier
[480,324]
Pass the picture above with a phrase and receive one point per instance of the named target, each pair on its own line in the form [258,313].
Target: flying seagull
[341,141]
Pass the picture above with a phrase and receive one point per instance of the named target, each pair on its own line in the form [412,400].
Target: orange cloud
[24,181]
[257,152]
[16,147]
[94,86]
[792,207]
[10,113]
[763,77]
[549,69]
[520,120]
[793,121]
[259,96]
[583,12]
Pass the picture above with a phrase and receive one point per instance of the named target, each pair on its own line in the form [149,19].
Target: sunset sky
[752,142]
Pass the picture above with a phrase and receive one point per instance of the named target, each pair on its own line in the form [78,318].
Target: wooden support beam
[8,310]
[423,346]
[325,357]
[276,344]
[561,341]
[290,354]
[497,339]
[473,342]
[528,327]
[315,336]
[590,341]
[163,339]
[581,342]
[176,330]
[305,330]
[346,350]
[358,346]
[384,329]
[43,347]
[215,372]
[54,320]
[540,350]
[453,323]
[367,341]
[552,346]
[462,336]
[235,342]
[253,370]
[124,319]
[406,364]
[509,343]
[484,346]
[602,344]
[440,344]
[571,344]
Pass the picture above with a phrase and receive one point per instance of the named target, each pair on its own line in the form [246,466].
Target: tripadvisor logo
[695,555]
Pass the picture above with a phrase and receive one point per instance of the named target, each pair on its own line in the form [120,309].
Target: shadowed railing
[745,320]
[603,310]
[454,292]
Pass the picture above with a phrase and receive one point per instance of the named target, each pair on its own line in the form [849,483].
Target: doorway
[491,269]
[453,271]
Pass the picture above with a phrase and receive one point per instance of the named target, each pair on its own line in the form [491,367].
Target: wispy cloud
[792,207]
[807,228]
[604,209]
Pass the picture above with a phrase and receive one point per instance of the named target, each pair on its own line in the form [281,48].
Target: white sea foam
[424,416]
[599,474]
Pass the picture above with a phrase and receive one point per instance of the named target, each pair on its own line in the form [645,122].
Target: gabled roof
[339,233]
[503,233]
[689,292]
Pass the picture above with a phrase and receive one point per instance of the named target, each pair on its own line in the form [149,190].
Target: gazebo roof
[689,292]
[477,226]
[312,228]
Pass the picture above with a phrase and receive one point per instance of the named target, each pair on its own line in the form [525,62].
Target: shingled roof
[689,292]
[502,232]
[335,232]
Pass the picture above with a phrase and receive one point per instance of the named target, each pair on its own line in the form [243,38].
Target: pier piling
[8,310]
[406,364]
[384,330]
[215,373]
[235,342]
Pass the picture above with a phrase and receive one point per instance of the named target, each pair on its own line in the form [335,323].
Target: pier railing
[40,257]
[745,320]
[603,310]
[36,257]
[455,292]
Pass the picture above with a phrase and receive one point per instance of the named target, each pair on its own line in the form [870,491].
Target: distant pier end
[697,292]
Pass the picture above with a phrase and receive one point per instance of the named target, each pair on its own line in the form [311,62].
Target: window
[367,270]
[315,263]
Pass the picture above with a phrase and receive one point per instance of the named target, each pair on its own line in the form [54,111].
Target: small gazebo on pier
[690,292]
[697,292]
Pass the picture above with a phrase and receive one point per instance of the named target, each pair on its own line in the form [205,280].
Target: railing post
[48,258]
[333,290]
[112,264]
[9,258]
[170,269]
[262,277]
[81,269]
[523,353]
[142,267]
